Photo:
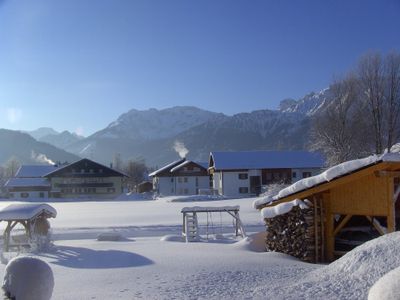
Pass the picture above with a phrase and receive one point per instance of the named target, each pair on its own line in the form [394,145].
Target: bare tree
[380,82]
[11,167]
[340,132]
[392,97]
[137,171]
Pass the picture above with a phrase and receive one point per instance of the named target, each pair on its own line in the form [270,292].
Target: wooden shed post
[391,219]
[330,238]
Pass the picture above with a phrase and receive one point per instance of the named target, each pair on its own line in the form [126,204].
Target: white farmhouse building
[242,174]
[182,177]
[29,182]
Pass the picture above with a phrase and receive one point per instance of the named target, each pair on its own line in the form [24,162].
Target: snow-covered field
[151,263]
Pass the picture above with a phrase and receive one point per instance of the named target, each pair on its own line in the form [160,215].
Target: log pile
[293,233]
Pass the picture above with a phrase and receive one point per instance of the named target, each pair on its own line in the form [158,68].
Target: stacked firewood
[292,233]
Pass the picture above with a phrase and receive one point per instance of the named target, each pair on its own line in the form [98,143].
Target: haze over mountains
[151,134]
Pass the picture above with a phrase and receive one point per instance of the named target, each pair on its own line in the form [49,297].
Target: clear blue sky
[79,64]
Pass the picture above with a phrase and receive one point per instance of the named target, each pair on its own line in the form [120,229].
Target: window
[41,195]
[294,175]
[172,179]
[179,179]
[11,195]
[24,195]
[111,190]
[306,174]
[243,190]
[243,176]
[185,179]
[185,191]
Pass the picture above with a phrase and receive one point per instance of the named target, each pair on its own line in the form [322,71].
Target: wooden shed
[366,189]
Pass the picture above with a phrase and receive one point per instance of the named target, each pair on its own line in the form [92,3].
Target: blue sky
[79,64]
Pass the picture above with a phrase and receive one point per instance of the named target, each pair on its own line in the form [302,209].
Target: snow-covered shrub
[28,278]
[110,236]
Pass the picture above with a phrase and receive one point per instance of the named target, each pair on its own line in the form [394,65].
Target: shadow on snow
[85,258]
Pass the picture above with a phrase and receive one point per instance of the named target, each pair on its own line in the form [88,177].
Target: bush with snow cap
[387,287]
[28,278]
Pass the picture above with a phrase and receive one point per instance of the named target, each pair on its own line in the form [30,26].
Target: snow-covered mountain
[155,124]
[27,150]
[309,105]
[41,132]
[61,140]
[151,134]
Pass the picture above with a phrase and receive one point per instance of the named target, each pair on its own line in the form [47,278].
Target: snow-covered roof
[84,162]
[27,182]
[167,167]
[186,162]
[282,208]
[329,175]
[265,160]
[26,211]
[35,170]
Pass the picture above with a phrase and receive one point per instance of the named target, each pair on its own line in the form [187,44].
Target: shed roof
[331,174]
[27,182]
[35,170]
[26,211]
[265,160]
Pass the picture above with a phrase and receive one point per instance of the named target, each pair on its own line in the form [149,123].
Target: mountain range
[158,135]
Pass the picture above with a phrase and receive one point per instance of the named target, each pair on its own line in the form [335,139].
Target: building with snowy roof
[85,178]
[358,192]
[243,173]
[181,177]
[82,179]
[29,182]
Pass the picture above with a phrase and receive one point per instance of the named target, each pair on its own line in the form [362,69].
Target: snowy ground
[143,267]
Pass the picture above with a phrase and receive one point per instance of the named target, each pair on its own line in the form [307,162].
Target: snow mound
[349,277]
[172,238]
[282,208]
[254,242]
[386,288]
[28,278]
[110,236]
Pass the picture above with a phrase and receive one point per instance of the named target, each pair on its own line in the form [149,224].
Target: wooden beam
[377,225]
[330,238]
[341,224]
[316,228]
[391,221]
[385,173]
[321,222]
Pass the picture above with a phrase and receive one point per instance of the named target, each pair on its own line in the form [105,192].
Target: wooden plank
[341,224]
[385,173]
[316,229]
[330,238]
[321,207]
[376,224]
[391,221]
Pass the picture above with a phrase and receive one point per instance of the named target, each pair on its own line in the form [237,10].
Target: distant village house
[242,174]
[83,178]
[182,177]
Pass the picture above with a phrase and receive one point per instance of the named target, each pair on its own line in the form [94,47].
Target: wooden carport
[370,191]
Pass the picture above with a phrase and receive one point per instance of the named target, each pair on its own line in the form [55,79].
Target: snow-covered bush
[28,278]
